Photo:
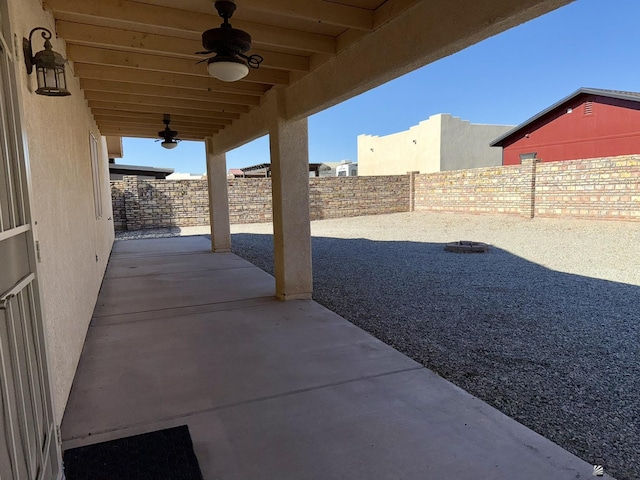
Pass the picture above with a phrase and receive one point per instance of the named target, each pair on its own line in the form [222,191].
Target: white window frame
[96,174]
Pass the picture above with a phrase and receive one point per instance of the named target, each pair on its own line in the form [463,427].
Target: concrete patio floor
[275,390]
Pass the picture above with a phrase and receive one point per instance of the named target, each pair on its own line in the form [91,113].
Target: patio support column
[290,197]
[218,199]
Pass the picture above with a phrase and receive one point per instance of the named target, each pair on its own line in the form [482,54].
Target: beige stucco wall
[416,149]
[440,143]
[74,245]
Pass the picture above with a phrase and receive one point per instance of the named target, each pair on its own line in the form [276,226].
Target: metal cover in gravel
[466,246]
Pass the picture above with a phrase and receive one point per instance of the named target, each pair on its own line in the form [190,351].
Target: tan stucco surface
[440,143]
[74,245]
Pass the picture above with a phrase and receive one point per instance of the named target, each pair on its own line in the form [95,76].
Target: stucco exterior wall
[416,149]
[466,145]
[440,143]
[74,245]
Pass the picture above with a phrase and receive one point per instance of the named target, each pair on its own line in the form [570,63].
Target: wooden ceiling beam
[157,118]
[146,77]
[391,9]
[177,124]
[164,101]
[139,42]
[123,132]
[176,22]
[140,127]
[130,107]
[199,116]
[91,84]
[98,56]
[317,11]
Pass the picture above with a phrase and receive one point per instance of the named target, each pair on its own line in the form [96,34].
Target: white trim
[5,46]
[4,299]
[13,232]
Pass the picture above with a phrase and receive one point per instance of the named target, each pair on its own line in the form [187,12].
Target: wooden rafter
[136,59]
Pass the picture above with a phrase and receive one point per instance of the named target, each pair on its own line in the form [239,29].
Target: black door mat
[162,455]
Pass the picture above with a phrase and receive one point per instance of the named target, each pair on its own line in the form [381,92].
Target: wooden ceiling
[136,59]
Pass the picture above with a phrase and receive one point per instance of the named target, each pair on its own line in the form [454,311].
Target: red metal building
[589,123]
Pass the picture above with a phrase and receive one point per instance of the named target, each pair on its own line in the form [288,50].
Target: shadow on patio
[276,390]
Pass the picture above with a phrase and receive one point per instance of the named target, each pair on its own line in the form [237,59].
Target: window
[97,179]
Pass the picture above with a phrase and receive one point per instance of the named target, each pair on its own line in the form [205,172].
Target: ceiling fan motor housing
[226,40]
[167,133]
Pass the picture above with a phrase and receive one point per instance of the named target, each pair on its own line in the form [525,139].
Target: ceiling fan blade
[202,61]
[208,52]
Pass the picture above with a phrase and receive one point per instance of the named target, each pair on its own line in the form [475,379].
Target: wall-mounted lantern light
[52,81]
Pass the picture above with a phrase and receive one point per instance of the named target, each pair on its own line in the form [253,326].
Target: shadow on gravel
[558,352]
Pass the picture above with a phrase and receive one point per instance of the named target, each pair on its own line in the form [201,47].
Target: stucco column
[218,199]
[290,193]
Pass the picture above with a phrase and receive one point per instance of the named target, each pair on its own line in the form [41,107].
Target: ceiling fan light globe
[169,145]
[227,71]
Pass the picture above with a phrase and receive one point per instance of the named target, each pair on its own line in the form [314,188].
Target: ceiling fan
[167,135]
[230,45]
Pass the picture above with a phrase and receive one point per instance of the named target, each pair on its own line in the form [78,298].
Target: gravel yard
[545,326]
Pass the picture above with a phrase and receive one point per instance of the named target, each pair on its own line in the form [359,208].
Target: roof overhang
[136,59]
[632,96]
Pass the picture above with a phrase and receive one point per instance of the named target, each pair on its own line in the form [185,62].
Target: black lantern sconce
[52,80]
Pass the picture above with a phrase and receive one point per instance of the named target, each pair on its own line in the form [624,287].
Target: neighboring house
[441,143]
[589,123]
[117,171]
[186,176]
[263,170]
[235,173]
[347,169]
[328,169]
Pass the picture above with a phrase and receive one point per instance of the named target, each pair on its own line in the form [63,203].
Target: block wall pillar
[528,191]
[131,202]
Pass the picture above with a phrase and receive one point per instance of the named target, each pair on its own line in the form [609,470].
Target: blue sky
[503,80]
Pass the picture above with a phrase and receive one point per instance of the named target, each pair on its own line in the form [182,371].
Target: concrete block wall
[601,188]
[182,203]
[604,189]
[607,189]
[496,190]
[117,199]
[250,200]
[338,197]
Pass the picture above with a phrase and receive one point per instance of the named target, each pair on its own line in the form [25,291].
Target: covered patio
[180,334]
[270,389]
